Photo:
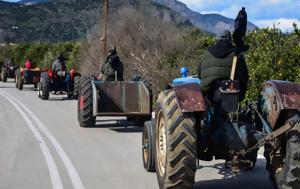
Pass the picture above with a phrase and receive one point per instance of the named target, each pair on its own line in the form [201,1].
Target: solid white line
[74,176]
[53,171]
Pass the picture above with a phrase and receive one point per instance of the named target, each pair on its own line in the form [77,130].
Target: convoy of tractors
[186,126]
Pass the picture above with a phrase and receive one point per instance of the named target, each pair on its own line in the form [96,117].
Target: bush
[273,56]
[42,54]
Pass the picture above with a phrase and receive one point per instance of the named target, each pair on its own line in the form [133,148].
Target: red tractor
[59,84]
[27,77]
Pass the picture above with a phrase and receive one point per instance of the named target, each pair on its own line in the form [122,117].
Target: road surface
[43,147]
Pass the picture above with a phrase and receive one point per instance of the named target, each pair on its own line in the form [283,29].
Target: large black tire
[289,176]
[175,144]
[149,146]
[85,103]
[44,86]
[4,74]
[76,86]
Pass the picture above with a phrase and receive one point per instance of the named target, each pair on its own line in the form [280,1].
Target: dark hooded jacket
[59,65]
[215,65]
[112,64]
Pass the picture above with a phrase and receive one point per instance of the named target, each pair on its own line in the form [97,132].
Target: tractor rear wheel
[175,144]
[149,146]
[44,86]
[76,86]
[85,103]
[289,176]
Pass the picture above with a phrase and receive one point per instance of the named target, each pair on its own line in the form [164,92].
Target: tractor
[58,84]
[27,77]
[132,99]
[7,72]
[187,128]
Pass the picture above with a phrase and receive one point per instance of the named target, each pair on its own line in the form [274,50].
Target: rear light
[50,73]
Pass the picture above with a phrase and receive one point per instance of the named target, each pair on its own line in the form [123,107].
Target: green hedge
[42,54]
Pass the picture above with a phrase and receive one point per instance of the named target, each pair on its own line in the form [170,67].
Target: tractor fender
[278,96]
[190,98]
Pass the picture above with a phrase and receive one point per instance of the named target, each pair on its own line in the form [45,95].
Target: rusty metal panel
[122,97]
[278,96]
[190,98]
[289,94]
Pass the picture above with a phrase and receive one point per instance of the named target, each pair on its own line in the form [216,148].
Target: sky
[263,13]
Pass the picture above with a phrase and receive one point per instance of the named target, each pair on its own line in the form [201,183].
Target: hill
[209,22]
[65,20]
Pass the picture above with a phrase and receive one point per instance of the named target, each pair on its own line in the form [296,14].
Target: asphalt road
[43,147]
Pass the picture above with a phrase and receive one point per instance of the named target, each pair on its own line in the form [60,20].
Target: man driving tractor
[59,65]
[216,62]
[113,68]
[59,70]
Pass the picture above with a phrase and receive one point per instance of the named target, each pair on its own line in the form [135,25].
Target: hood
[222,49]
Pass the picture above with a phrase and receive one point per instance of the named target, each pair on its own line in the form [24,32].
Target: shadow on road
[6,87]
[226,173]
[255,179]
[120,126]
[29,89]
[59,98]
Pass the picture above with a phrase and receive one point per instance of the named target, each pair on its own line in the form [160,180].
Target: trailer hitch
[286,127]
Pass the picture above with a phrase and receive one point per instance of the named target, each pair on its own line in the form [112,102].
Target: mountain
[210,22]
[32,2]
[63,20]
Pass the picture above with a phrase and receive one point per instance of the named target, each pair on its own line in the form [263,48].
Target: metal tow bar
[287,126]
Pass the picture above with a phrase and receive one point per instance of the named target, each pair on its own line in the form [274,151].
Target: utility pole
[105,24]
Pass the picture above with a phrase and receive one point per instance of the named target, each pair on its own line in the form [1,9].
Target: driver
[215,66]
[59,65]
[112,67]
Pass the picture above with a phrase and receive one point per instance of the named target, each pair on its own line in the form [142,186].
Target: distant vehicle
[64,83]
[132,99]
[7,71]
[27,77]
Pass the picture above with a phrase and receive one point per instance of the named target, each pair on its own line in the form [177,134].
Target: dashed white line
[73,174]
[53,171]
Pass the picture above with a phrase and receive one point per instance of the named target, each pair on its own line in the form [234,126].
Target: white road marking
[73,174]
[53,171]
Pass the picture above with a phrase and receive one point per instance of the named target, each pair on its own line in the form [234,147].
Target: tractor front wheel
[20,84]
[149,146]
[44,86]
[76,86]
[4,75]
[175,144]
[85,103]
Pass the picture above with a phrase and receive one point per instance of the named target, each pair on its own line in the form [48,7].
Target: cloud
[257,9]
[282,23]
[263,13]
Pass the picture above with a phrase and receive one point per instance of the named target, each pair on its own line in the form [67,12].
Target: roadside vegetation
[158,49]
